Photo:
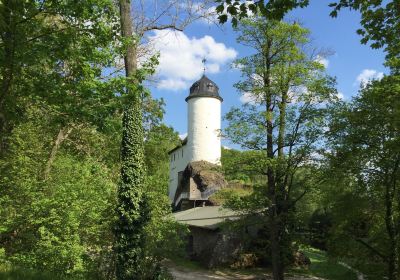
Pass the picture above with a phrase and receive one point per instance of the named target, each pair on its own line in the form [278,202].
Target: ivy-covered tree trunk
[132,210]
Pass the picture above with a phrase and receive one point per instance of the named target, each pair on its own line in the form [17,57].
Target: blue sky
[180,62]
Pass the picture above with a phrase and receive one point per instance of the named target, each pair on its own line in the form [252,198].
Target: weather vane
[204,60]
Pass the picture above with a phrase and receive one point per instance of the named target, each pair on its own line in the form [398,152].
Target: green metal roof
[206,217]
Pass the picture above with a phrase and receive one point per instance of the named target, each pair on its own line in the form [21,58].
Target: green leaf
[220,8]
[223,18]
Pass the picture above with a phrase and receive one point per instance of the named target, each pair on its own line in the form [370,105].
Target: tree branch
[162,27]
[63,134]
[296,200]
[374,250]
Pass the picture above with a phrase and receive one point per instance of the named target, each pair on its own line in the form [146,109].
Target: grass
[186,263]
[24,274]
[322,266]
[16,273]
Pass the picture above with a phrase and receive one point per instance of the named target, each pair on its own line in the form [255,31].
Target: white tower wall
[178,162]
[204,125]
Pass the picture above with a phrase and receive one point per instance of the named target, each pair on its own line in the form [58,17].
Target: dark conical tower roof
[204,88]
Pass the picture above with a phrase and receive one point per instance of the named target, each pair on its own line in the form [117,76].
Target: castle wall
[178,161]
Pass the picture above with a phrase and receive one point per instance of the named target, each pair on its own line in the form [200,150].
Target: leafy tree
[164,236]
[283,119]
[61,223]
[133,209]
[365,138]
[240,166]
[380,21]
[54,101]
[54,52]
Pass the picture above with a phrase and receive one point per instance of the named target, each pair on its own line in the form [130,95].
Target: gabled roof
[206,217]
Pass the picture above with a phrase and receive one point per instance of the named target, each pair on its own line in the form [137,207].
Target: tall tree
[365,141]
[133,210]
[286,89]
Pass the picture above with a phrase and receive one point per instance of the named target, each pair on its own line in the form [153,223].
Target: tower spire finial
[204,60]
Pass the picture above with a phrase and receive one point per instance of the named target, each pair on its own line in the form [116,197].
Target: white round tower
[204,122]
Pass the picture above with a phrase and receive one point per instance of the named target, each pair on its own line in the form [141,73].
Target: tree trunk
[274,222]
[130,57]
[62,135]
[393,257]
[282,125]
[132,209]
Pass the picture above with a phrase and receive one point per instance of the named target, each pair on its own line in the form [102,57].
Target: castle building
[195,177]
[203,141]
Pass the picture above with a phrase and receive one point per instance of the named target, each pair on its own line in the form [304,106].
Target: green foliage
[133,210]
[55,51]
[60,136]
[233,193]
[164,236]
[59,224]
[15,273]
[243,166]
[64,223]
[281,125]
[364,198]
[270,9]
[301,78]
[292,76]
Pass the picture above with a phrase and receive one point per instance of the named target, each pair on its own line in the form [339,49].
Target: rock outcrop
[206,175]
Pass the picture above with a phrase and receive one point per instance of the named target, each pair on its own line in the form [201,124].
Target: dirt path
[180,273]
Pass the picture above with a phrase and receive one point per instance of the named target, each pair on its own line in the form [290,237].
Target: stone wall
[212,247]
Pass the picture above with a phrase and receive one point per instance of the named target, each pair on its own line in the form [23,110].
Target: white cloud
[340,95]
[227,148]
[324,61]
[183,136]
[181,56]
[175,84]
[367,75]
[248,97]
